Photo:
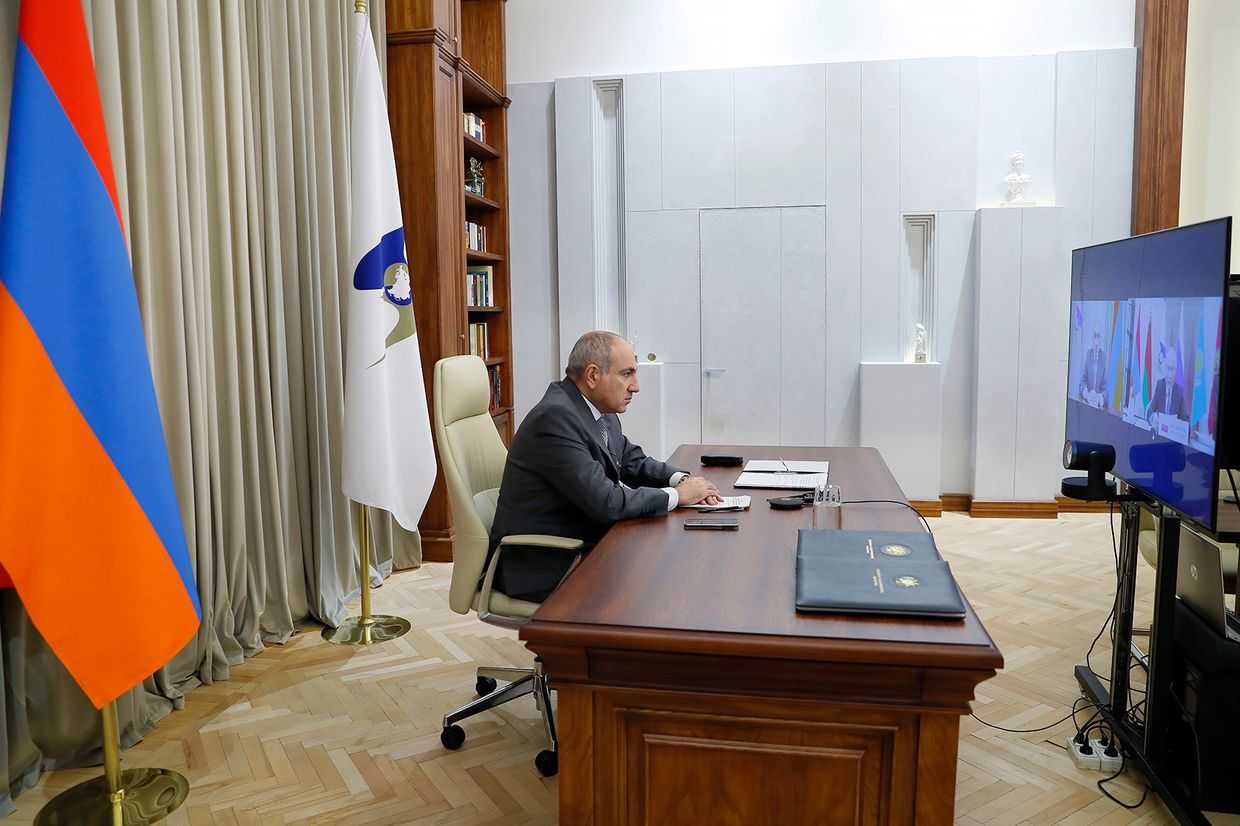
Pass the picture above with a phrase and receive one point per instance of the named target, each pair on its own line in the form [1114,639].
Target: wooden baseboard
[927,507]
[1013,510]
[436,545]
[1067,505]
[956,502]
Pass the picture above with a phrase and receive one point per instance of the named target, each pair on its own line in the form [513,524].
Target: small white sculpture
[1016,181]
[919,344]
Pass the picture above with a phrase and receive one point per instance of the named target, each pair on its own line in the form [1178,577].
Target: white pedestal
[902,416]
[645,422]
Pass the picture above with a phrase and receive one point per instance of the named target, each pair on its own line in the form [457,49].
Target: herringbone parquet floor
[310,733]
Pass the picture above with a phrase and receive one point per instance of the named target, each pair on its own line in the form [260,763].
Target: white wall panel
[880,210]
[645,422]
[998,320]
[574,173]
[643,164]
[938,134]
[956,295]
[699,158]
[664,291]
[532,253]
[843,299]
[741,325]
[781,157]
[802,321]
[1113,119]
[1016,112]
[1043,337]
[1075,84]
[682,387]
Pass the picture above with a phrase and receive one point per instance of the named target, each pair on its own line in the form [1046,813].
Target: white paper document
[728,503]
[780,481]
[785,466]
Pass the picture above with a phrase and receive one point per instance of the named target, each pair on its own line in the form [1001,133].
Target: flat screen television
[1147,358]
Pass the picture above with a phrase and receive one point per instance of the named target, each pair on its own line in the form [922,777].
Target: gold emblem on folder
[907,581]
[896,550]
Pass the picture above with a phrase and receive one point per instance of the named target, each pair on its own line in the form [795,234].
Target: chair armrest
[559,543]
[538,540]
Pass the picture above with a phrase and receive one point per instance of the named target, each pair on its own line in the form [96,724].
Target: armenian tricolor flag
[90,528]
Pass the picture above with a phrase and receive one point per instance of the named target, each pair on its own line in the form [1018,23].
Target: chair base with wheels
[521,681]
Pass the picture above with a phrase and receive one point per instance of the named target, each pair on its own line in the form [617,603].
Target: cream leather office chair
[473,456]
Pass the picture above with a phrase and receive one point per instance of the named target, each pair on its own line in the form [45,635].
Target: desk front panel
[684,759]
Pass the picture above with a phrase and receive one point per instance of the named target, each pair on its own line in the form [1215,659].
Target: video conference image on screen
[1151,362]
[1146,367]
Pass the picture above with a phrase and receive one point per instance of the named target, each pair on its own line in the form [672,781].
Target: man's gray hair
[592,348]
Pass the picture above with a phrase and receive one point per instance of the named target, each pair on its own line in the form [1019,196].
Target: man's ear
[591,375]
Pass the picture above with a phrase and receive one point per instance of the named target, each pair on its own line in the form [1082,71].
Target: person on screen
[1168,399]
[1093,386]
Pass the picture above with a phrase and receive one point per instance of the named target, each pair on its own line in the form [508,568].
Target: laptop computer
[1199,583]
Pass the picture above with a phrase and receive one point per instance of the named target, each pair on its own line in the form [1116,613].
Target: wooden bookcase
[446,58]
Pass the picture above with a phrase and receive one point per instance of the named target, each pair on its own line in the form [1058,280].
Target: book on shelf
[478,286]
[475,127]
[497,387]
[478,345]
[475,236]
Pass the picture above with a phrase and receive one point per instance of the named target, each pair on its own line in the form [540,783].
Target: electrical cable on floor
[1122,763]
[1071,716]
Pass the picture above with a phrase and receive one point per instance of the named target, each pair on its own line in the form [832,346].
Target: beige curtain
[229,133]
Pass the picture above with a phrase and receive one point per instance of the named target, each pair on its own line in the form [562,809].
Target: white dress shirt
[673,498]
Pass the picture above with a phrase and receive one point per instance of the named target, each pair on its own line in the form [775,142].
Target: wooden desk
[691,692]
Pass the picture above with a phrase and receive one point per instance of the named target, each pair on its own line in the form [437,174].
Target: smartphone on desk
[713,523]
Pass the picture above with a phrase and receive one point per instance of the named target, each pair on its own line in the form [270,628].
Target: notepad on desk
[780,481]
[786,466]
[726,503]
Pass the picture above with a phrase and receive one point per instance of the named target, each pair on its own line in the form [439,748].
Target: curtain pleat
[229,134]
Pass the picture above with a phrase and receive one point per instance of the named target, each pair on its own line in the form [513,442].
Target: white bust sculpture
[919,343]
[1017,180]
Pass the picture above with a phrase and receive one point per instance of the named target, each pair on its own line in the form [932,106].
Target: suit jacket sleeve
[639,470]
[578,476]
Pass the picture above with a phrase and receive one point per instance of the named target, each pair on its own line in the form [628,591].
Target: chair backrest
[472,455]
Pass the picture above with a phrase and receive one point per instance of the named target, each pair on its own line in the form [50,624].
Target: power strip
[1106,764]
[1089,762]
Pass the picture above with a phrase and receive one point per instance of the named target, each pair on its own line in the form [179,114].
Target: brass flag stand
[135,797]
[368,629]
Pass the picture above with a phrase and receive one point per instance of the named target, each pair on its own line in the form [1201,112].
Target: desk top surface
[651,583]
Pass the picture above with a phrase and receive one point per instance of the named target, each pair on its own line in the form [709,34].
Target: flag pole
[368,629]
[136,797]
[112,763]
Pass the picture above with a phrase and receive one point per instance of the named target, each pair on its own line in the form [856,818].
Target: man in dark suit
[1168,397]
[1093,385]
[571,472]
